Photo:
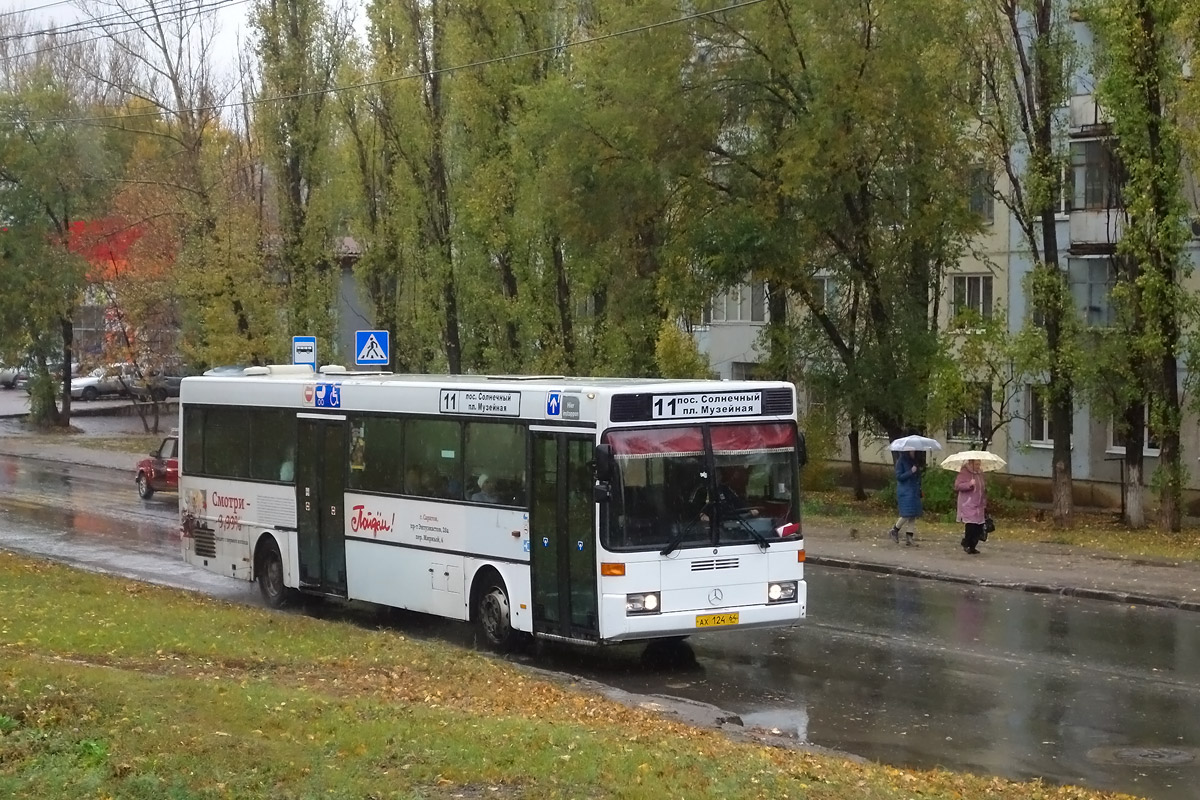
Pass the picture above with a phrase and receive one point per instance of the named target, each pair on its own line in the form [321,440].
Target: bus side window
[378,467]
[495,450]
[433,448]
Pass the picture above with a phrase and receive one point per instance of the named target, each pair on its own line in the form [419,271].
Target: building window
[981,199]
[742,303]
[1066,191]
[974,422]
[815,401]
[1096,174]
[744,370]
[972,296]
[1117,437]
[1092,282]
[1040,430]
[824,293]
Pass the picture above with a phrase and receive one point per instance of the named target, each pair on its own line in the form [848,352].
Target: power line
[168,12]
[35,8]
[126,27]
[413,75]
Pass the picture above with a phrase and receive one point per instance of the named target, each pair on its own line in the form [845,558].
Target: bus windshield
[700,486]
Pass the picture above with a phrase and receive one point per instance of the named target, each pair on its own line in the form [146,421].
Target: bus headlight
[642,603]
[782,592]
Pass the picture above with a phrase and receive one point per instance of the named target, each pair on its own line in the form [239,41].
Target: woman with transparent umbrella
[908,484]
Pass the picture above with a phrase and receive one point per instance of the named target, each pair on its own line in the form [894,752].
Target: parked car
[159,472]
[159,384]
[115,379]
[226,370]
[11,376]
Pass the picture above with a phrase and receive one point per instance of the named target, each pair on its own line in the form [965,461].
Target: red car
[160,472]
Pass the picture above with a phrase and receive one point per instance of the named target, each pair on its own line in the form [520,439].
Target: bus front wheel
[270,576]
[495,616]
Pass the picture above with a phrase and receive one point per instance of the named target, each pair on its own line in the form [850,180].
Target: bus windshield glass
[699,486]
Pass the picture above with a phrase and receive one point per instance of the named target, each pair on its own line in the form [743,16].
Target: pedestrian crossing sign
[371,348]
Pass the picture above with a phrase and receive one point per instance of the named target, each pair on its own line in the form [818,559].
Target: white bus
[588,510]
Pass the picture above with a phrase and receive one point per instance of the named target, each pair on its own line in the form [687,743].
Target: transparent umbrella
[915,442]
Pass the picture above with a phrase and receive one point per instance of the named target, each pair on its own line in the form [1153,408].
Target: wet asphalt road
[907,672]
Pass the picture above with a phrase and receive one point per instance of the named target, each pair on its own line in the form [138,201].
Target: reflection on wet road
[93,518]
[908,672]
[924,674]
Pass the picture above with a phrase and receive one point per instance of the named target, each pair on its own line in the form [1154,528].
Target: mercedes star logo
[715,596]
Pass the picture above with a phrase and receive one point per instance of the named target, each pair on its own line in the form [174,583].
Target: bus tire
[494,615]
[269,573]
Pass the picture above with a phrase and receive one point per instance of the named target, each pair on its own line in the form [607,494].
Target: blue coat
[908,486]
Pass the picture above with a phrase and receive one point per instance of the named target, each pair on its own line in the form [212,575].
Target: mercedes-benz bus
[589,510]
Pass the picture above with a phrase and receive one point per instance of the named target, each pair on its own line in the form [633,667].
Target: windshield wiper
[678,540]
[740,520]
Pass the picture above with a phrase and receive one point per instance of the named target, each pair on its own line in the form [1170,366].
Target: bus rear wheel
[270,576]
[495,616]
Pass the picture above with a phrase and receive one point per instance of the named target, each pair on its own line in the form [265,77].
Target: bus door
[320,500]
[563,537]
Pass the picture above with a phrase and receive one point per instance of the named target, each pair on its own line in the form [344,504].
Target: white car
[115,379]
[11,376]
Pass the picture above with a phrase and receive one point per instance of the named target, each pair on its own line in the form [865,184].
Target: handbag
[989,525]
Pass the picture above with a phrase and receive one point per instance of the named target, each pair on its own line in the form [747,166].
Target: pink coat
[972,496]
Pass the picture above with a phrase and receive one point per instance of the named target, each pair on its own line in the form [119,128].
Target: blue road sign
[553,404]
[304,350]
[371,348]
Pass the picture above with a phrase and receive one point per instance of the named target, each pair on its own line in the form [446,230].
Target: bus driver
[728,498]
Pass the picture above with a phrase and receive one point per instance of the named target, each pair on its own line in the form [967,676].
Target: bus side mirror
[604,463]
[801,450]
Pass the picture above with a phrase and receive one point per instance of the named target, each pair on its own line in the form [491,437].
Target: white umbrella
[988,462]
[915,442]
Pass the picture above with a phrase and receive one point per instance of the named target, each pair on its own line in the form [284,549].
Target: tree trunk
[1135,422]
[1169,461]
[562,296]
[1062,486]
[508,283]
[856,477]
[68,335]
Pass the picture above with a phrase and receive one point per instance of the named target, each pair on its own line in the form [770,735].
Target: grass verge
[110,688]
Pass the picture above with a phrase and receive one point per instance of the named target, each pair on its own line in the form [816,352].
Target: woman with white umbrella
[972,493]
[908,484]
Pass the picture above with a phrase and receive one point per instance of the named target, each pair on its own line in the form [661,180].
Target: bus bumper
[632,627]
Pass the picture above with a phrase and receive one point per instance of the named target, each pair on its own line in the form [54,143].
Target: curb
[1033,588]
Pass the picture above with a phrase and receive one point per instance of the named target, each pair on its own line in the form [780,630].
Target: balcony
[1087,117]
[1096,228]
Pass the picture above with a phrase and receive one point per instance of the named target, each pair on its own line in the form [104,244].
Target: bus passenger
[728,498]
[287,468]
[414,482]
[487,491]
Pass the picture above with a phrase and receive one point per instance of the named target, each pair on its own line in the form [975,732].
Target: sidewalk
[1038,567]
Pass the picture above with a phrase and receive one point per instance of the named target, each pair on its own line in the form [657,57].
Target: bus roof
[542,397]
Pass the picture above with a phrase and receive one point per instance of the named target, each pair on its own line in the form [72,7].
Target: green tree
[53,174]
[1138,66]
[1022,54]
[299,47]
[840,156]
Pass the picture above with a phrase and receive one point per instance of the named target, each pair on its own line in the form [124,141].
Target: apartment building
[992,281]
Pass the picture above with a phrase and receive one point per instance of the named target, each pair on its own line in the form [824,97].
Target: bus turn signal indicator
[612,568]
